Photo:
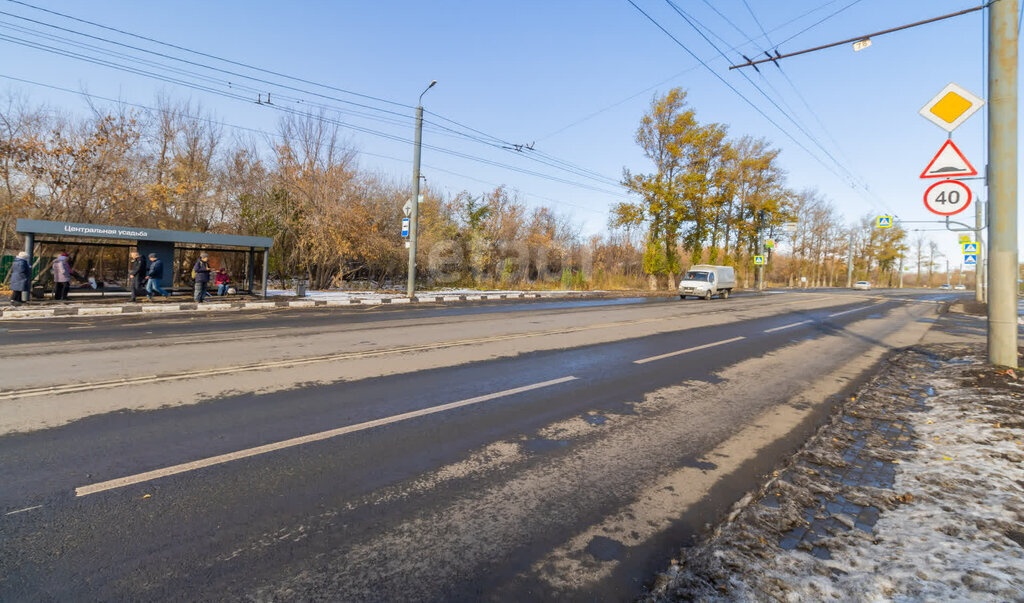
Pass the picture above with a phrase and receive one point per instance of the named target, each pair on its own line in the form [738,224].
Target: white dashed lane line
[850,311]
[687,350]
[23,510]
[306,439]
[789,326]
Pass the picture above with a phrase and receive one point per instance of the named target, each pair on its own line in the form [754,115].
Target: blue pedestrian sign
[884,222]
[405,227]
[759,260]
[970,259]
[970,248]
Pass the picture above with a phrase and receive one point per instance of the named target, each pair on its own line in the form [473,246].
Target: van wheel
[682,297]
[707,295]
[724,294]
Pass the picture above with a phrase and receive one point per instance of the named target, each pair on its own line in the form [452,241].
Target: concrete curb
[162,308]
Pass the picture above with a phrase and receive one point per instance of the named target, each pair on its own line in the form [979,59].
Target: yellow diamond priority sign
[951,107]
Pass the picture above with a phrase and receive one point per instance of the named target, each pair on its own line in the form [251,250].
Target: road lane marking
[687,350]
[151,379]
[849,311]
[306,439]
[789,326]
[23,510]
[22,330]
[84,327]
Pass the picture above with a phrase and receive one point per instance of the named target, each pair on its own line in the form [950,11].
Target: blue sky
[572,76]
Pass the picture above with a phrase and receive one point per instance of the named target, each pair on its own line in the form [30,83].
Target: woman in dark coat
[21,278]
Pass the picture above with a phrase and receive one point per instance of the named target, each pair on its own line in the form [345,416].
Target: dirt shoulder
[914,489]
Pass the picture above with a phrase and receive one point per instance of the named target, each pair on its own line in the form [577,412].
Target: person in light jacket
[21,279]
[61,270]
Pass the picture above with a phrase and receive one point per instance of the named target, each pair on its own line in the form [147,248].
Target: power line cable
[276,135]
[208,89]
[817,23]
[209,56]
[681,73]
[814,140]
[282,108]
[237,63]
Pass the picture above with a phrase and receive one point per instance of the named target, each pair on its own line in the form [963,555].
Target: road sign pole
[849,263]
[1002,182]
[979,296]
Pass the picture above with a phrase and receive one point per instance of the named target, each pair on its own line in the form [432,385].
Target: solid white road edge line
[849,311]
[789,326]
[306,439]
[687,350]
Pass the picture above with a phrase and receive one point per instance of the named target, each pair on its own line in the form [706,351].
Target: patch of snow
[951,527]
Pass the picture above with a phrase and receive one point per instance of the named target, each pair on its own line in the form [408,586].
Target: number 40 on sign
[947,197]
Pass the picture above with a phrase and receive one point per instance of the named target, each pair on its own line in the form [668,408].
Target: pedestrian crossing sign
[884,221]
[759,260]
[970,259]
[969,247]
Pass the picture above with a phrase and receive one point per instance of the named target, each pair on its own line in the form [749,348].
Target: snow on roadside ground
[914,491]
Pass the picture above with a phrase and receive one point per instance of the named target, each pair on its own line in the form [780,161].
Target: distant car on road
[863,285]
[960,287]
[946,286]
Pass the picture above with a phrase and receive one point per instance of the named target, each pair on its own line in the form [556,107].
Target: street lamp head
[432,83]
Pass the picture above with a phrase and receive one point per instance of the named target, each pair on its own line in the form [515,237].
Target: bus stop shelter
[163,243]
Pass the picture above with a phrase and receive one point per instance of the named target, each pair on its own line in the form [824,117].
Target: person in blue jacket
[153,275]
[21,279]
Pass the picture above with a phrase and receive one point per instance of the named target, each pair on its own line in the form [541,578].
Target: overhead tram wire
[288,110]
[733,88]
[576,170]
[721,54]
[681,73]
[217,122]
[785,75]
[209,56]
[851,179]
[208,89]
[813,25]
[196,64]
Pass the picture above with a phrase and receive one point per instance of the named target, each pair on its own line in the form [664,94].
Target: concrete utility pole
[849,263]
[414,216]
[901,271]
[1002,182]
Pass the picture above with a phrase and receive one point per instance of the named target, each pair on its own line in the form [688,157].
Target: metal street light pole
[1002,183]
[414,216]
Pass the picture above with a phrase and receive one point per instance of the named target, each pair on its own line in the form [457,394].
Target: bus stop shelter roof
[132,233]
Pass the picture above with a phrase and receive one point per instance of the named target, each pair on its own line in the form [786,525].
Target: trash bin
[300,288]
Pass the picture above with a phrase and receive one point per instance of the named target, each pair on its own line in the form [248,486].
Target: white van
[707,281]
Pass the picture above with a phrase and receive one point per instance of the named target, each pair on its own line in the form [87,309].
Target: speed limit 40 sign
[947,197]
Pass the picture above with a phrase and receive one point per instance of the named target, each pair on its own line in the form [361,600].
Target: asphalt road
[539,450]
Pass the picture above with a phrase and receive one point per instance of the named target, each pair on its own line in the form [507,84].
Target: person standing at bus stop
[61,270]
[154,273]
[21,279]
[201,272]
[136,276]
